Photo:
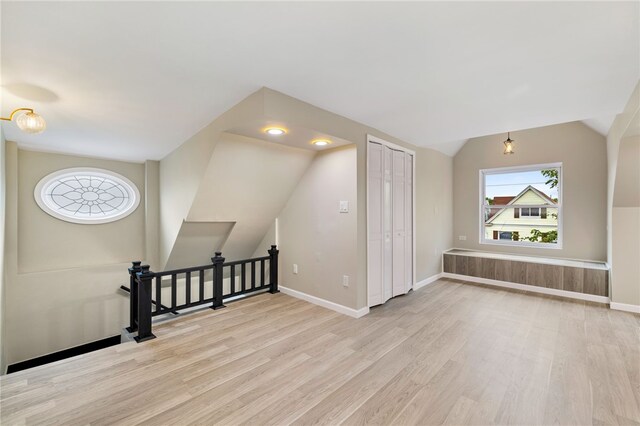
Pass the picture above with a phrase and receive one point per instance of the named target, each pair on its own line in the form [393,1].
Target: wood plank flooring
[450,353]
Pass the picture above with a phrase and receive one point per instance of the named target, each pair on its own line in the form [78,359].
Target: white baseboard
[531,288]
[625,307]
[355,313]
[427,281]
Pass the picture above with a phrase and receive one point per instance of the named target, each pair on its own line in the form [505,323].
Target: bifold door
[390,222]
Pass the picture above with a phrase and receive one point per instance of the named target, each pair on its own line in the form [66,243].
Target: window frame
[526,168]
[40,196]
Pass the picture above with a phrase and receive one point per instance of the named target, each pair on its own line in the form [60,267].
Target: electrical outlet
[462,237]
[345,280]
[295,268]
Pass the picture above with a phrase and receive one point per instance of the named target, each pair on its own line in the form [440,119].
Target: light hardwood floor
[450,353]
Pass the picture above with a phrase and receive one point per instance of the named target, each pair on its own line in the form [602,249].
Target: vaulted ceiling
[133,80]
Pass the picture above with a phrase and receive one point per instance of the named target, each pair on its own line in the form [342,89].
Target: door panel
[399,223]
[375,223]
[387,281]
[409,222]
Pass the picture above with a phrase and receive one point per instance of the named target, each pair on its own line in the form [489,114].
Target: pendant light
[508,144]
[27,120]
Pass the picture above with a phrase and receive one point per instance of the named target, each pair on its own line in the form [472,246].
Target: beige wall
[428,182]
[62,287]
[182,171]
[617,132]
[627,185]
[434,210]
[152,212]
[626,225]
[47,243]
[11,238]
[626,253]
[582,152]
[318,238]
[248,181]
[623,216]
[2,226]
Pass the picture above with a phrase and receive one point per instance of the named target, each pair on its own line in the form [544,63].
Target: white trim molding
[99,195]
[625,307]
[530,288]
[526,168]
[354,313]
[427,281]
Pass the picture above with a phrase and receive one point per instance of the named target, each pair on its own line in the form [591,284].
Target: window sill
[506,243]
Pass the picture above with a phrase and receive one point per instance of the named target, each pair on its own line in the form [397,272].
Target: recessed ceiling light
[321,142]
[275,131]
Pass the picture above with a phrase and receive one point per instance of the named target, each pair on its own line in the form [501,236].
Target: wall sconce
[28,121]
[508,144]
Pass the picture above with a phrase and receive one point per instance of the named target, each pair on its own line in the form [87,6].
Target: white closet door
[409,222]
[390,222]
[375,222]
[399,221]
[387,267]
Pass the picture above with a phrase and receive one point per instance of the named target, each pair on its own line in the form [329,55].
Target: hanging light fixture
[508,144]
[28,121]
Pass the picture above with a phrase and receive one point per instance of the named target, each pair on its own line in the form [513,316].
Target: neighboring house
[515,222]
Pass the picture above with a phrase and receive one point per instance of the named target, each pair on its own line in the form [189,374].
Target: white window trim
[44,183]
[527,168]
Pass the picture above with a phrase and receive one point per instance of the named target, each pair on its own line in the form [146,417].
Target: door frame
[375,139]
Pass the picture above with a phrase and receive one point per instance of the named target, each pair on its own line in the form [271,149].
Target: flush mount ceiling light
[508,144]
[27,120]
[321,142]
[275,131]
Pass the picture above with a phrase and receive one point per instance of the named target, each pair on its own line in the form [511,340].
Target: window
[522,206]
[87,195]
[506,235]
[528,211]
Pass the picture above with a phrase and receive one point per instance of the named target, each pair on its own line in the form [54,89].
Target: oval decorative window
[87,195]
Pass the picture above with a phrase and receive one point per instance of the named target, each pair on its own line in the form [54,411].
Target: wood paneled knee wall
[568,278]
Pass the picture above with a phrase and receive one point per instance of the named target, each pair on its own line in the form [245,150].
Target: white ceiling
[135,80]
[297,137]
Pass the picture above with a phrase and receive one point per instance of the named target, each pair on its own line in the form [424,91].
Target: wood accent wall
[579,280]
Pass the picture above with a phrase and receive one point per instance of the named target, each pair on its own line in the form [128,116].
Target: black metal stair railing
[145,284]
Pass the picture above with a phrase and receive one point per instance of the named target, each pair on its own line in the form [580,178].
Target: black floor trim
[66,353]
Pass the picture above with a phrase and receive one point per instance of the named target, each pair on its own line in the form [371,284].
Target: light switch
[344,207]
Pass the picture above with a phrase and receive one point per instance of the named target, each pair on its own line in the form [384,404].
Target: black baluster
[174,292]
[233,279]
[243,276]
[158,294]
[188,288]
[201,285]
[262,273]
[253,275]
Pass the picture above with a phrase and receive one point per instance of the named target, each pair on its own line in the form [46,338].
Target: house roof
[500,201]
[514,199]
